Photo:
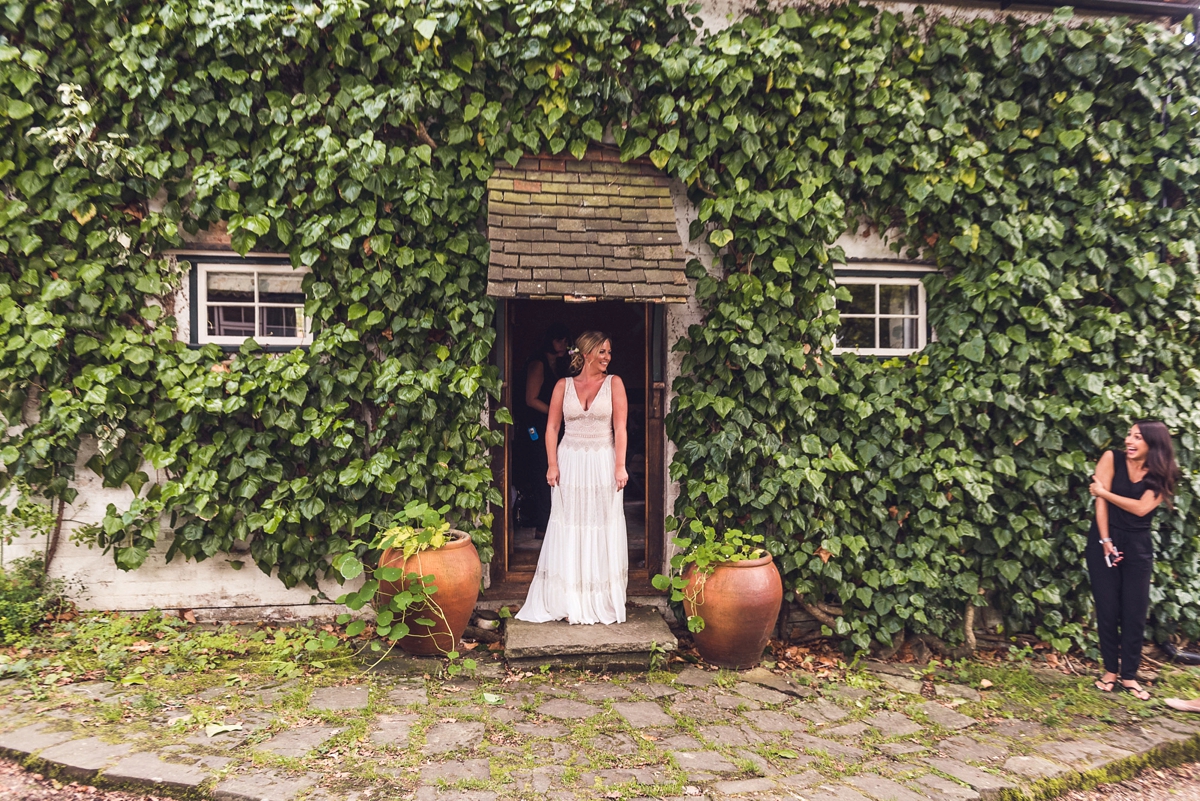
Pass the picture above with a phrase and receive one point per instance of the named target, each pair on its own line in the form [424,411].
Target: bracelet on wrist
[1106,539]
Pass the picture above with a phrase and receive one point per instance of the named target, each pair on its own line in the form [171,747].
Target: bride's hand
[552,476]
[622,478]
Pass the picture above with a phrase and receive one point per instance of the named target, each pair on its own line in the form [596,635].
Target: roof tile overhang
[586,229]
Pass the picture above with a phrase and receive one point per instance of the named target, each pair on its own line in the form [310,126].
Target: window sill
[228,348]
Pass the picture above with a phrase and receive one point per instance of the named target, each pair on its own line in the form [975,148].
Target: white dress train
[583,568]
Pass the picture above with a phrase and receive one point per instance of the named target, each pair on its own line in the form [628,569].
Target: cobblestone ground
[875,736]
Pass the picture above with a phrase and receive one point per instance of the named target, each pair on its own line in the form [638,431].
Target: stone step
[621,646]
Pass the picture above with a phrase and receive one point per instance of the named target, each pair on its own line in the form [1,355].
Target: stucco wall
[213,588]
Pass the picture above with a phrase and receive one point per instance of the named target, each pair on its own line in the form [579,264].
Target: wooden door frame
[505,582]
[656,435]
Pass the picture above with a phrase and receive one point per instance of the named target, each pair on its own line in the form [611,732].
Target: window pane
[862,299]
[231,287]
[280,287]
[898,332]
[231,321]
[857,333]
[285,322]
[897,299]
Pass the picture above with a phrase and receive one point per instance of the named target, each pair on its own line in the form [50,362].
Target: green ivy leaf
[1081,102]
[426,28]
[593,129]
[18,109]
[721,237]
[1071,139]
[350,569]
[1008,110]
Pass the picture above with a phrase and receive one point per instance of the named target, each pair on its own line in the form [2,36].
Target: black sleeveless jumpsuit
[1122,592]
[533,452]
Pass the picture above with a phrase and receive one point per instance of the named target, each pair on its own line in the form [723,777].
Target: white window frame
[899,276]
[204,266]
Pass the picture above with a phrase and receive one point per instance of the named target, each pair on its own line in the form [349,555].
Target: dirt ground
[1178,784]
[18,785]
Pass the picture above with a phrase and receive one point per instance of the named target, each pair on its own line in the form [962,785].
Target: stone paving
[571,735]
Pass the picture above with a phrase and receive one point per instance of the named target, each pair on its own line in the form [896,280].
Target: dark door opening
[635,331]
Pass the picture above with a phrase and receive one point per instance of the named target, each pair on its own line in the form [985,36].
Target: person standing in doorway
[583,568]
[542,371]
[1128,486]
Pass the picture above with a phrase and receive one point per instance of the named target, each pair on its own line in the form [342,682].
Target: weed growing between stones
[130,650]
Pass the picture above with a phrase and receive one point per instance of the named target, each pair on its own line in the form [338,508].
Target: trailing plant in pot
[730,590]
[424,586]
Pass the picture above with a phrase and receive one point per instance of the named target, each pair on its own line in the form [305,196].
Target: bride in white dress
[584,564]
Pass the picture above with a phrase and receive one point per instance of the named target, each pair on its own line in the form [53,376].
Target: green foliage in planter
[702,552]
[1048,171]
[431,531]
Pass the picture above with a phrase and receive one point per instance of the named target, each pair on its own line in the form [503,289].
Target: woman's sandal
[1104,686]
[1137,692]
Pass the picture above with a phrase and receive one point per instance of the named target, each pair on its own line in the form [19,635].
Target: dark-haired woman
[542,371]
[1128,485]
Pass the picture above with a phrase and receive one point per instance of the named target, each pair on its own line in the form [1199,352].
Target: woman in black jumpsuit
[542,371]
[1128,486]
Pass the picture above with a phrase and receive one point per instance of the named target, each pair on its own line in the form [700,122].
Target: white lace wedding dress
[584,564]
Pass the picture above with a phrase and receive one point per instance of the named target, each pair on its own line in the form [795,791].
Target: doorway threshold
[631,645]
[512,593]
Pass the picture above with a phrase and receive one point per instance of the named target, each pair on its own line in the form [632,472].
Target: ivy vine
[1047,169]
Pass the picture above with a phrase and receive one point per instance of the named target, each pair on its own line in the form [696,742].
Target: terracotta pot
[456,573]
[739,602]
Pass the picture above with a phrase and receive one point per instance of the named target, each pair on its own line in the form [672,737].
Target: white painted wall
[212,588]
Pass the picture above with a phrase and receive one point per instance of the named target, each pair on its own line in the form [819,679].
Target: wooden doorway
[637,332]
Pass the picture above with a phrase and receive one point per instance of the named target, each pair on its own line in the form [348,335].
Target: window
[885,315]
[237,301]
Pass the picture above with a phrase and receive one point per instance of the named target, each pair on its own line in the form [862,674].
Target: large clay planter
[456,573]
[739,602]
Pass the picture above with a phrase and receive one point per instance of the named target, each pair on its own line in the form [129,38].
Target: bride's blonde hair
[585,343]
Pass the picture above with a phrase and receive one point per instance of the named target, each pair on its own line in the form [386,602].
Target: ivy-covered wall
[1049,170]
